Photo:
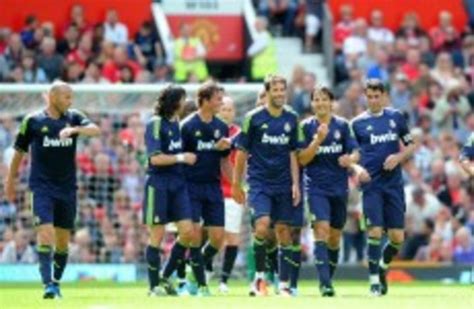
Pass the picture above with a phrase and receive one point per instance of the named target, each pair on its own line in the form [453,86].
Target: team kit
[204,171]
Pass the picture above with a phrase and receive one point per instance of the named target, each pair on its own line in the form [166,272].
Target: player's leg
[373,205]
[214,221]
[337,221]
[295,257]
[64,217]
[394,217]
[42,206]
[155,218]
[260,203]
[320,210]
[233,223]
[282,211]
[272,256]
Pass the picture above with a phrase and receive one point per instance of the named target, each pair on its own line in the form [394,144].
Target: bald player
[51,133]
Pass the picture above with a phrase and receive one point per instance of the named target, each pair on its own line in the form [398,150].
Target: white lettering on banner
[57,142]
[383,138]
[202,7]
[332,149]
[205,145]
[275,140]
[174,145]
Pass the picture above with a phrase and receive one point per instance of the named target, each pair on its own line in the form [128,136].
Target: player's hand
[363,176]
[295,194]
[223,144]
[345,161]
[321,134]
[68,132]
[190,158]
[391,162]
[10,190]
[238,194]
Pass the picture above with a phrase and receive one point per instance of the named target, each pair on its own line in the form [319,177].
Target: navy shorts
[277,205]
[328,208]
[207,203]
[166,200]
[384,207]
[57,209]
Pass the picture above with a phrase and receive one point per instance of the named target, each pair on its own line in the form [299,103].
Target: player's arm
[295,178]
[237,177]
[161,159]
[81,126]
[394,160]
[308,153]
[226,168]
[22,142]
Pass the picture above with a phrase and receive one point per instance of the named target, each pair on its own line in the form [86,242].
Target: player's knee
[217,239]
[375,232]
[187,235]
[396,237]
[261,227]
[46,235]
[295,235]
[322,231]
[334,238]
[283,233]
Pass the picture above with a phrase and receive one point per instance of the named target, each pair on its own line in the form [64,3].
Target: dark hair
[168,100]
[30,19]
[374,84]
[207,90]
[271,79]
[324,90]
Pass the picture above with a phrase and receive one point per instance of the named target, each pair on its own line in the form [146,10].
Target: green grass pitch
[350,295]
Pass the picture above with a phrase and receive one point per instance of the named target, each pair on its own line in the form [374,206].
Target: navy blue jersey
[200,138]
[323,174]
[468,149]
[163,136]
[378,137]
[268,140]
[53,160]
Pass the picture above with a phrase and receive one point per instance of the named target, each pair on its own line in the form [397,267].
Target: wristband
[180,158]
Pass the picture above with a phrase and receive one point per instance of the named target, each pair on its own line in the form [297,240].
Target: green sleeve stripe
[24,125]
[43,248]
[150,205]
[301,135]
[246,124]
[156,127]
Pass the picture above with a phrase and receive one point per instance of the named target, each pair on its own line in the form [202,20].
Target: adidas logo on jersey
[174,145]
[57,142]
[383,138]
[332,149]
[205,145]
[275,140]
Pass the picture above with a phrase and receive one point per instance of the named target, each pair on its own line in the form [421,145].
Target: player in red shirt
[233,210]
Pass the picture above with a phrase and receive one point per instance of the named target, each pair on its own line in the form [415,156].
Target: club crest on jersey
[170,133]
[369,128]
[287,127]
[217,133]
[337,135]
[198,133]
[44,129]
[264,126]
[393,125]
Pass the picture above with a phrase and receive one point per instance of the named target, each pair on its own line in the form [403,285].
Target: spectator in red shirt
[112,68]
[411,68]
[410,29]
[444,31]
[83,52]
[344,27]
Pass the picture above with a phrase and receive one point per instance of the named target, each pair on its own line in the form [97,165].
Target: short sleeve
[24,136]
[304,135]
[243,139]
[153,138]
[350,143]
[80,119]
[403,130]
